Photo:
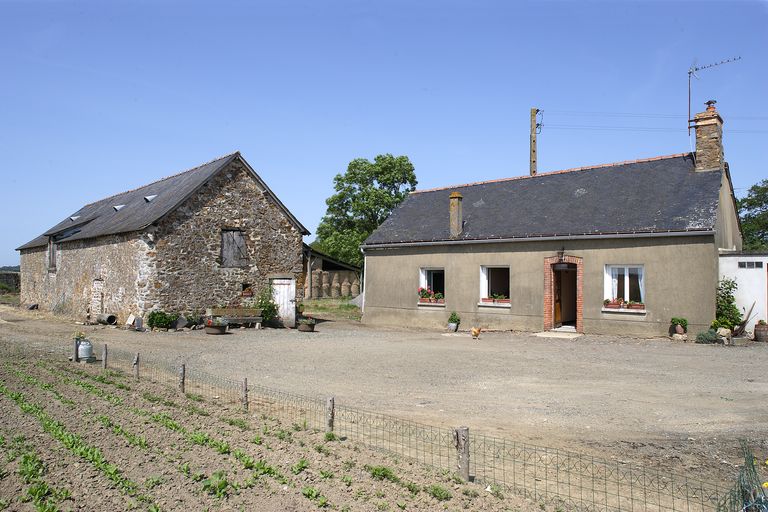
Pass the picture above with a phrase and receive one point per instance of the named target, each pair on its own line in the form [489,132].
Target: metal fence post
[136,366]
[104,357]
[461,441]
[244,396]
[182,377]
[330,413]
[76,353]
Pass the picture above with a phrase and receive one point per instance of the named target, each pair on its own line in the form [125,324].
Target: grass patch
[438,492]
[382,473]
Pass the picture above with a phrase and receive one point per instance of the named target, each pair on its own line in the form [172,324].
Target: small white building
[750,270]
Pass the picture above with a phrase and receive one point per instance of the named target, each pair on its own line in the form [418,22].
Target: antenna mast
[692,72]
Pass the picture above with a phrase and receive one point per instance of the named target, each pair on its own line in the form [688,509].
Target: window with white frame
[626,282]
[433,279]
[494,282]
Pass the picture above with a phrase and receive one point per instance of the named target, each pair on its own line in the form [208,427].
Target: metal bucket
[85,350]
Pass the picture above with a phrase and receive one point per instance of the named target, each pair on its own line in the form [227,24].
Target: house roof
[308,249]
[655,195]
[136,209]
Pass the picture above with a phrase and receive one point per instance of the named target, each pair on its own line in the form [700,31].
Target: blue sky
[100,97]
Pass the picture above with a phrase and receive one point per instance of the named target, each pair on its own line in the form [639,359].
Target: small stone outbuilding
[181,244]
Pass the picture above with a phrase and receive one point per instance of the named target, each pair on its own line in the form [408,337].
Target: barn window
[234,253]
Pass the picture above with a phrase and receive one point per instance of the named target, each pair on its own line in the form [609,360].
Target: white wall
[753,285]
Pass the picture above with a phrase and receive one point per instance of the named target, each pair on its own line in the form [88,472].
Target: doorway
[564,295]
[284,295]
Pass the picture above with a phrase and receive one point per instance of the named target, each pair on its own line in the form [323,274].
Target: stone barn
[193,240]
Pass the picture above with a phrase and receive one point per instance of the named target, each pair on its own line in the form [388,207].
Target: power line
[647,115]
[632,128]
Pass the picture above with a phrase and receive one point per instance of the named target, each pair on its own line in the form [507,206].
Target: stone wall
[11,279]
[187,250]
[114,261]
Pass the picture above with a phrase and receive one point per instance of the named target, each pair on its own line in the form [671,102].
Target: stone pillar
[335,286]
[326,286]
[345,288]
[355,288]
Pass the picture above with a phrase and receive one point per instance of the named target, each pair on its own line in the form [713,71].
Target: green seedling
[299,466]
[217,485]
[322,449]
[238,422]
[438,492]
[326,475]
[382,473]
[257,439]
[347,480]
[330,436]
[470,493]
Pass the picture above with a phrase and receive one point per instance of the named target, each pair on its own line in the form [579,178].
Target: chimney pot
[455,213]
[710,155]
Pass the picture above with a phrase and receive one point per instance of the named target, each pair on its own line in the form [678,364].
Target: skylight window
[74,218]
[150,198]
[118,207]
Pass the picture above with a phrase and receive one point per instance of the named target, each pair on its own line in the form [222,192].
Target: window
[234,253]
[750,264]
[624,282]
[494,282]
[433,278]
[52,250]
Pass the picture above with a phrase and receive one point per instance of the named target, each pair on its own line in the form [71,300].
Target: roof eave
[640,234]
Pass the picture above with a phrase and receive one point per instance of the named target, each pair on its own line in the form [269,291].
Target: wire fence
[570,480]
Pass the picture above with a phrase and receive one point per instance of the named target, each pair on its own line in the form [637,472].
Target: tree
[365,196]
[753,211]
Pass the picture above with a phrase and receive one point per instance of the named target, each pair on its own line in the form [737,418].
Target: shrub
[161,319]
[4,288]
[682,322]
[454,318]
[726,313]
[707,337]
[267,305]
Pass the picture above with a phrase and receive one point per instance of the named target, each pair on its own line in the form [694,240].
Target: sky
[101,97]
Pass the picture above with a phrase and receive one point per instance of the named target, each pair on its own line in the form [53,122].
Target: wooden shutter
[234,252]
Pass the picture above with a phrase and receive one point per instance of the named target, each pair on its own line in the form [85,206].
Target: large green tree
[753,210]
[364,196]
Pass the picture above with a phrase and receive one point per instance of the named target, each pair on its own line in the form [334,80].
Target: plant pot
[679,329]
[453,327]
[487,300]
[503,301]
[423,300]
[761,332]
[636,306]
[215,329]
[612,306]
[440,301]
[306,327]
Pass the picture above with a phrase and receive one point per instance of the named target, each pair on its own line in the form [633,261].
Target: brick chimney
[709,139]
[457,220]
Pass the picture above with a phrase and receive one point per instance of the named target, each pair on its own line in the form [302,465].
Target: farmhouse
[617,248]
[190,241]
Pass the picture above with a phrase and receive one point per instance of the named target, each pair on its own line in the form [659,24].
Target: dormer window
[118,207]
[150,198]
[74,218]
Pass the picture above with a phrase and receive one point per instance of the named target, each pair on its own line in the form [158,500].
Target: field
[75,437]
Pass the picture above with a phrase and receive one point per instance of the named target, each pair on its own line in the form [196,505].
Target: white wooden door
[284,295]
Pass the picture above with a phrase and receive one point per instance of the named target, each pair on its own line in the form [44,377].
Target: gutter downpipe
[539,239]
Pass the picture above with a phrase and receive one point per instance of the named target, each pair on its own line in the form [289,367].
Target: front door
[558,299]
[284,295]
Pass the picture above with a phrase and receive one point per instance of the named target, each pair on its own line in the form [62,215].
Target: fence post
[136,366]
[244,394]
[104,357]
[461,441]
[182,377]
[330,413]
[75,354]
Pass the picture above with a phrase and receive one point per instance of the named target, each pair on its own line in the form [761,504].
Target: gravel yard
[682,406]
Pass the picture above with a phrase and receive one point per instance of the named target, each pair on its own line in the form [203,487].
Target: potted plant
[500,298]
[761,331]
[216,325]
[453,321]
[306,324]
[439,298]
[612,304]
[635,305]
[425,295]
[487,300]
[680,325]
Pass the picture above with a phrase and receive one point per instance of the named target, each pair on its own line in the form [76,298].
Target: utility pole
[534,129]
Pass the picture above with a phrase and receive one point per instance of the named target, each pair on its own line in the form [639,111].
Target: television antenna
[692,73]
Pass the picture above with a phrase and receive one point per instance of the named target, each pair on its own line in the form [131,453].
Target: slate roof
[142,206]
[657,195]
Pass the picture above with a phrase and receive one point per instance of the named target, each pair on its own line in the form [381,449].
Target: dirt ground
[160,450]
[681,407]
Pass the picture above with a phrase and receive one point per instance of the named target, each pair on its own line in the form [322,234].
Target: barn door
[284,295]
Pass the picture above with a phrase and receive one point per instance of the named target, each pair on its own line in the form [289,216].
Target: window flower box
[487,300]
[424,300]
[503,301]
[612,304]
[635,305]
[439,301]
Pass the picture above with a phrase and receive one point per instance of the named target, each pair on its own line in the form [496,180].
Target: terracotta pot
[306,327]
[215,329]
[423,300]
[504,301]
[440,301]
[679,329]
[612,306]
[487,300]
[636,306]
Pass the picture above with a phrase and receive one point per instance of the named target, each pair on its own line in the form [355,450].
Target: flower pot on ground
[453,322]
[216,325]
[761,331]
[306,324]
[679,325]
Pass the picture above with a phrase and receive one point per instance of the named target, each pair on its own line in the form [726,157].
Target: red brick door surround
[549,291]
